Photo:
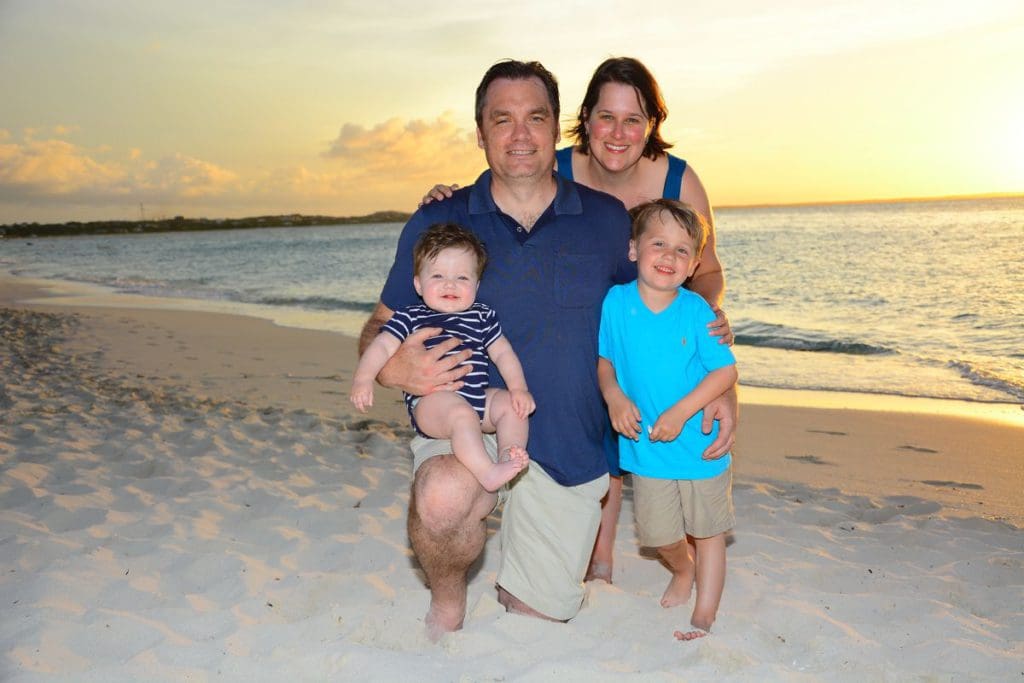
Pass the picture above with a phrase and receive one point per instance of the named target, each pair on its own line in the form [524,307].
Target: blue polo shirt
[547,284]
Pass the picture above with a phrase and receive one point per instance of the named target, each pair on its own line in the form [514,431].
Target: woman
[619,150]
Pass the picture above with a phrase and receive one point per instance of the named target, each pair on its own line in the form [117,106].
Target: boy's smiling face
[665,254]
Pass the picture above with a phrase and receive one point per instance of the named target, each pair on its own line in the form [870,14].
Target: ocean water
[921,299]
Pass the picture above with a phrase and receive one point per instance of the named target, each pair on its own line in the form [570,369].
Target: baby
[448,261]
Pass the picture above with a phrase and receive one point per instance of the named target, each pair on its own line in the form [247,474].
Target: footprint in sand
[916,449]
[809,459]
[952,484]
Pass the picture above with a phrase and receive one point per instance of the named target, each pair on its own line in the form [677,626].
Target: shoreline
[51,292]
[815,439]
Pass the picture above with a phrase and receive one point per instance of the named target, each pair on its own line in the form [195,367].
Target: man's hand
[726,410]
[419,371]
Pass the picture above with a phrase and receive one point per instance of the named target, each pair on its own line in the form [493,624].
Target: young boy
[658,367]
[448,261]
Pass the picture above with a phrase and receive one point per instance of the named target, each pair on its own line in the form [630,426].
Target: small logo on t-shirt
[684,341]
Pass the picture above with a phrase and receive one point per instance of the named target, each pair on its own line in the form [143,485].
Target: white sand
[186,497]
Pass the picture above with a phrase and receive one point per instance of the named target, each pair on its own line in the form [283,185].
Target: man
[554,249]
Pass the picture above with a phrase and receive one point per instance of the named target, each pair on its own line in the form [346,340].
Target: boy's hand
[522,403]
[362,396]
[625,417]
[667,426]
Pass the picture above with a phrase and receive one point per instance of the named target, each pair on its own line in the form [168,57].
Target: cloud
[389,165]
[53,168]
[56,169]
[186,177]
[406,151]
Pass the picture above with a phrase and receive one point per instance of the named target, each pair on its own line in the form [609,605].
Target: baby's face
[448,283]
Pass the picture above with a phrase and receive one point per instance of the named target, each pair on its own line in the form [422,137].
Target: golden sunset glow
[343,109]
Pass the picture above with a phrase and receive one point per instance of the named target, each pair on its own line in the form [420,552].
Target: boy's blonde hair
[688,219]
[441,236]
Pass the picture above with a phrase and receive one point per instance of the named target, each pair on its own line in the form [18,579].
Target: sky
[118,109]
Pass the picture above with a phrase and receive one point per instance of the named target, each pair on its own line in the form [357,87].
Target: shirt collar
[567,198]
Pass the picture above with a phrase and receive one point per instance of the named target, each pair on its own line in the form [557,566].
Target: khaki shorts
[669,509]
[547,533]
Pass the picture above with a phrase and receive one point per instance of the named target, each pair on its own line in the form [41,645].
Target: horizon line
[755,205]
[876,200]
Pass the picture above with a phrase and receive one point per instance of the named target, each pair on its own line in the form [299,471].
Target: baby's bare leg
[446,415]
[512,431]
[680,563]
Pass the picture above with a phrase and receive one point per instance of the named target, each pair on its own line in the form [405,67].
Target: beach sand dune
[186,496]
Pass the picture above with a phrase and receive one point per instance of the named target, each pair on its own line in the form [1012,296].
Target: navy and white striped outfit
[476,328]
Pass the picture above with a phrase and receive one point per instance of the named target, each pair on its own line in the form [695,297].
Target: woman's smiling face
[617,127]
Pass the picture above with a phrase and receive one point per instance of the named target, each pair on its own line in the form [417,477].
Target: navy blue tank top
[673,179]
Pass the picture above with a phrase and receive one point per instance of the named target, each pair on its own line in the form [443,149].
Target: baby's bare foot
[679,589]
[511,462]
[517,454]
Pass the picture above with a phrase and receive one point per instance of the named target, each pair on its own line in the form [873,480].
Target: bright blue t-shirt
[548,284]
[659,358]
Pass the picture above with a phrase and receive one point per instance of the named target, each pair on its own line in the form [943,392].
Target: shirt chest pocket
[581,281]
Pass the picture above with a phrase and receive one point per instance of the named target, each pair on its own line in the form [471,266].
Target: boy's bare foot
[599,571]
[701,627]
[679,588]
[441,620]
[689,635]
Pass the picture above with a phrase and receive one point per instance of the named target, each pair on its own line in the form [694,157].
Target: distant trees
[182,224]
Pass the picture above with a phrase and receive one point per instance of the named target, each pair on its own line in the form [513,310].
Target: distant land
[182,224]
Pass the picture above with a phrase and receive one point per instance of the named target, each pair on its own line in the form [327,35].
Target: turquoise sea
[921,299]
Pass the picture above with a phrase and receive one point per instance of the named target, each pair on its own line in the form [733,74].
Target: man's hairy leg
[447,509]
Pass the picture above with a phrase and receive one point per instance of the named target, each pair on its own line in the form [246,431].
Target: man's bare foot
[441,620]
[514,605]
[679,589]
[599,571]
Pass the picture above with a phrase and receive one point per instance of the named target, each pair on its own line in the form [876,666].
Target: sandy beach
[188,496]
